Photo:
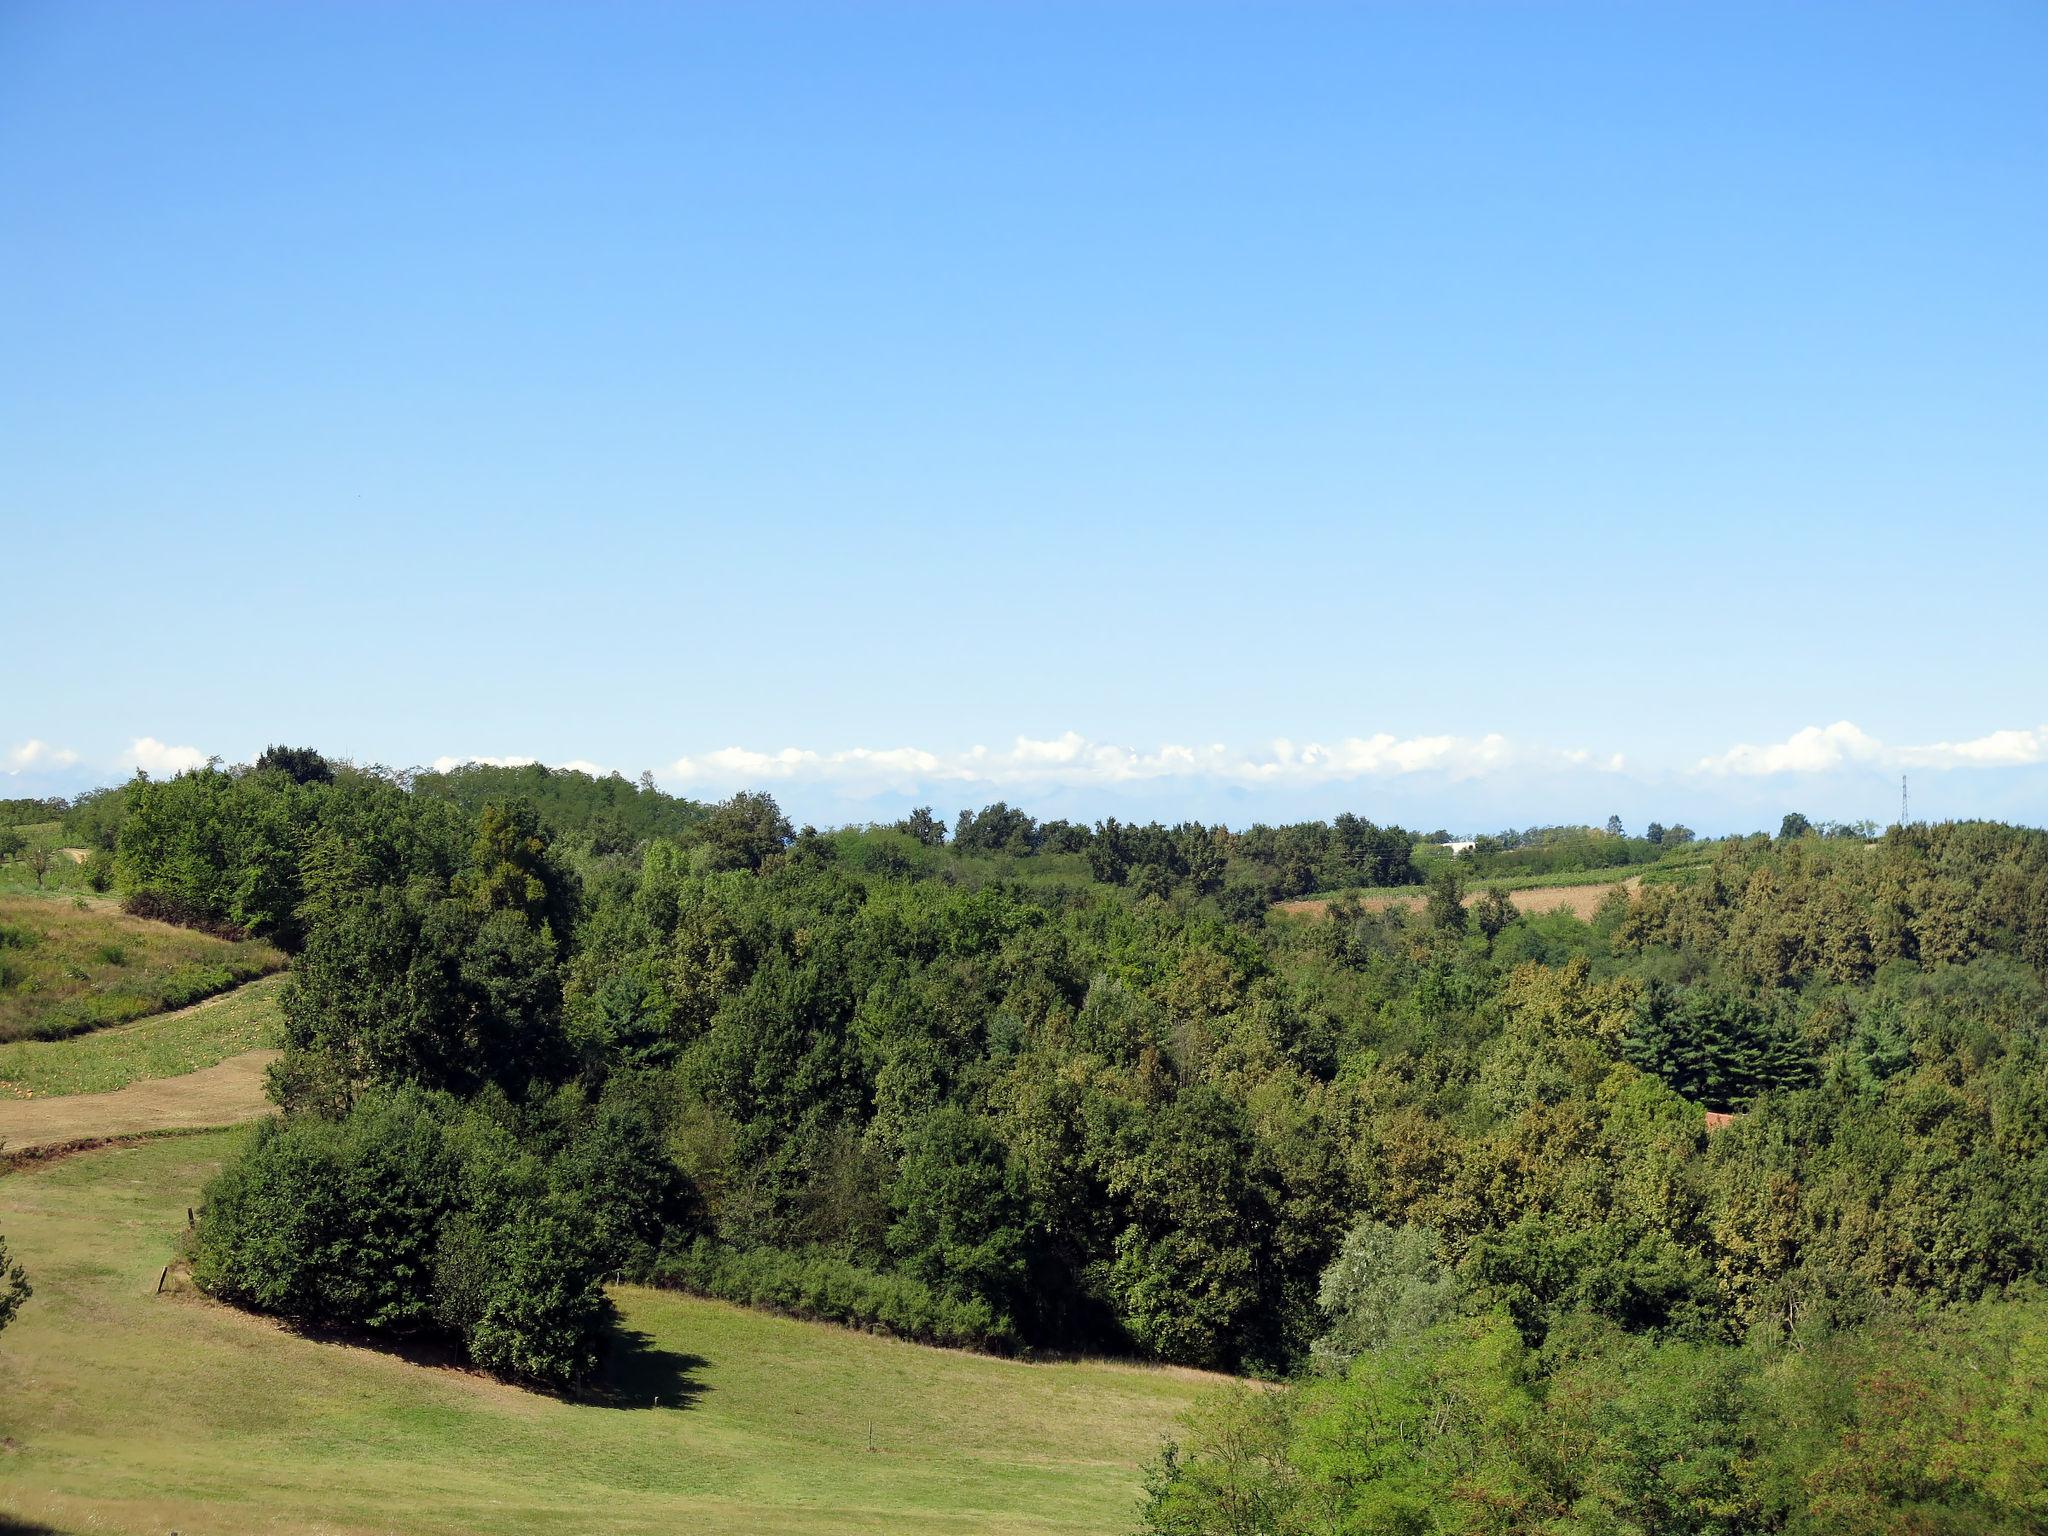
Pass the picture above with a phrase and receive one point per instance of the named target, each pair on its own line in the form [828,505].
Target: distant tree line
[1256,867]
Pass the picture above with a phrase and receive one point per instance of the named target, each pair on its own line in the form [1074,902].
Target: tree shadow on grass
[638,1373]
[633,1371]
[14,1525]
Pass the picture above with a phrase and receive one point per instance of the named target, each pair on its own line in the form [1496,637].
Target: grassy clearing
[168,1045]
[66,875]
[130,1412]
[77,964]
[1663,871]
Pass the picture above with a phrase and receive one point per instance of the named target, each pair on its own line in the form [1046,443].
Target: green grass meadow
[167,1045]
[72,963]
[1671,869]
[126,1411]
[66,876]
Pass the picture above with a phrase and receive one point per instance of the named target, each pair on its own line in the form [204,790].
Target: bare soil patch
[1579,900]
[226,1094]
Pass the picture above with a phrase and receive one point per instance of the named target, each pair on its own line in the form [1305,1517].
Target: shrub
[411,1214]
[165,907]
[542,1311]
[827,1288]
[14,1287]
[332,1223]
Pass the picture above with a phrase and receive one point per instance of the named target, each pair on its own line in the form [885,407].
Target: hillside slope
[73,964]
[133,1412]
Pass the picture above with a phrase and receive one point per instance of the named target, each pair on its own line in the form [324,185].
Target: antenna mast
[1902,799]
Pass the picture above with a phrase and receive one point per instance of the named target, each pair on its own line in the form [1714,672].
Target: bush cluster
[414,1214]
[833,1289]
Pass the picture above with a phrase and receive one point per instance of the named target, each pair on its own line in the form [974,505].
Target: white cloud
[38,754]
[154,757]
[1072,759]
[2000,749]
[1813,750]
[1821,749]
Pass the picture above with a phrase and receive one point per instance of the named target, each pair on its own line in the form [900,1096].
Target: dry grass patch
[1579,900]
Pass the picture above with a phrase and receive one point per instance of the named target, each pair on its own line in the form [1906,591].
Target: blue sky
[1472,414]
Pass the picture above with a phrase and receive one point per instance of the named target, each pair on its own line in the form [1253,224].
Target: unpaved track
[1580,900]
[224,1094]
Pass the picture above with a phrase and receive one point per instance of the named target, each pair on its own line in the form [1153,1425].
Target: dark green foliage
[511,869]
[1446,903]
[538,1312]
[922,825]
[1537,851]
[1719,1045]
[302,765]
[996,829]
[1494,912]
[744,832]
[410,1214]
[14,1287]
[417,986]
[611,813]
[333,1221]
[265,854]
[30,812]
[965,1092]
[1184,1274]
[94,818]
[961,1212]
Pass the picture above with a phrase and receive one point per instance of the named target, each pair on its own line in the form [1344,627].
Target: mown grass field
[166,1045]
[1673,869]
[125,1411]
[74,963]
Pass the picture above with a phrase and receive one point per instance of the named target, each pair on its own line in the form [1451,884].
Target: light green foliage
[1386,1287]
[1931,1428]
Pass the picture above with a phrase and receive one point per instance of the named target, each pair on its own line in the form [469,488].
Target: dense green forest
[1029,1086]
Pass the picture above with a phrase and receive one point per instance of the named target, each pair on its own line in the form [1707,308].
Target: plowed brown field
[1580,900]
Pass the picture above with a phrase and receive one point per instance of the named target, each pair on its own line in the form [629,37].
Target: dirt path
[218,1095]
[1579,900]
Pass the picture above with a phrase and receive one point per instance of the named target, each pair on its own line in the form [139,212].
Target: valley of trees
[1028,1086]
